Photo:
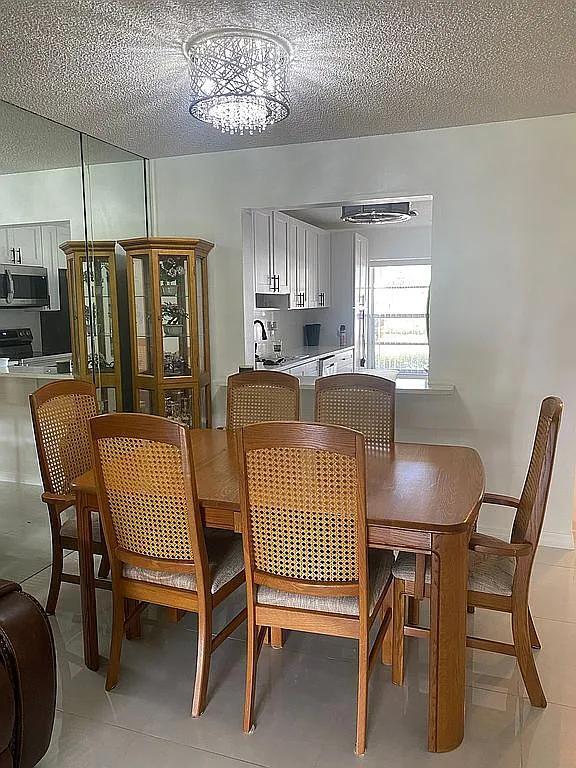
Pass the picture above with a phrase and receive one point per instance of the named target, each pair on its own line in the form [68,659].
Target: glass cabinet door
[143,316]
[174,316]
[104,355]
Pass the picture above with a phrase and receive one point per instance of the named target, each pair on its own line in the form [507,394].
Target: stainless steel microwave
[22,286]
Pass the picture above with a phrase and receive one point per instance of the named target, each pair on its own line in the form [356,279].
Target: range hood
[377,213]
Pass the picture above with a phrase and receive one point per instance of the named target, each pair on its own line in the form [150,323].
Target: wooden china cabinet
[92,295]
[169,328]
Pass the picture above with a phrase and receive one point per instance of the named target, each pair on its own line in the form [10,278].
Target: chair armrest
[490,545]
[498,498]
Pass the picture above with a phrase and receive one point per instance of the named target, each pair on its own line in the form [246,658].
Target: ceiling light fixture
[379,213]
[239,79]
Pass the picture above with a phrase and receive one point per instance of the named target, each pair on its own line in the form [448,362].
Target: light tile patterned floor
[306,692]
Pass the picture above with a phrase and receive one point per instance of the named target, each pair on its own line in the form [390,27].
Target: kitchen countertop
[33,372]
[302,355]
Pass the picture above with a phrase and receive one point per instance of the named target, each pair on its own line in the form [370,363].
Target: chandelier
[238,79]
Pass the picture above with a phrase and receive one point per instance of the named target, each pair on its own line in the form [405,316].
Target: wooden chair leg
[413,611]
[398,621]
[521,635]
[115,641]
[362,704]
[386,651]
[276,637]
[104,568]
[133,629]
[534,639]
[202,661]
[56,575]
[251,664]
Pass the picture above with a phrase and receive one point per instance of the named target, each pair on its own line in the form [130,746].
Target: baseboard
[547,538]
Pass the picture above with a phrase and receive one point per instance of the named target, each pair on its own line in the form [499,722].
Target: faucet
[264,336]
[261,324]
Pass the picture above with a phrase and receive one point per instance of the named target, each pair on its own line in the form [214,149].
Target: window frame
[371,346]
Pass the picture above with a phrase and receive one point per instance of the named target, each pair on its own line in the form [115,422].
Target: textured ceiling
[114,68]
[32,143]
[328,217]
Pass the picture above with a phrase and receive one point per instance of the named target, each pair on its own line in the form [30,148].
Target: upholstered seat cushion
[380,567]
[70,529]
[492,574]
[225,561]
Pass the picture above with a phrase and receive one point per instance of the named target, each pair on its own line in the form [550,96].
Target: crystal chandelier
[238,79]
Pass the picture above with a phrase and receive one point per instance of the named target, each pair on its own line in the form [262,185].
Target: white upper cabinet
[36,245]
[271,255]
[290,257]
[324,271]
[21,245]
[262,229]
[311,236]
[281,253]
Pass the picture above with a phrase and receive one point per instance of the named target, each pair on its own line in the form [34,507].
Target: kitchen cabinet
[21,245]
[339,362]
[262,228]
[311,240]
[301,286]
[37,245]
[290,257]
[324,271]
[270,237]
[305,369]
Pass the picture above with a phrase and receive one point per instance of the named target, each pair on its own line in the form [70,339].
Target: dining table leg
[447,648]
[87,586]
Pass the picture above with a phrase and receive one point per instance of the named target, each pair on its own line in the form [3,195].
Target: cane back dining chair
[159,551]
[359,401]
[499,571]
[60,412]
[256,396]
[303,502]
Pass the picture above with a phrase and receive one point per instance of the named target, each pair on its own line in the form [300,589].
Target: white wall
[115,197]
[504,270]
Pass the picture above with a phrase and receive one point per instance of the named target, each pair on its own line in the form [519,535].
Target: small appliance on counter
[16,343]
[312,334]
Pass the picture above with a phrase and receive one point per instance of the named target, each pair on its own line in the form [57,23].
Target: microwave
[22,286]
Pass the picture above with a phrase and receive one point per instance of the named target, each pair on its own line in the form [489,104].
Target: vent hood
[377,213]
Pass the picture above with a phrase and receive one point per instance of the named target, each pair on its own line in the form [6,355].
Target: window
[398,319]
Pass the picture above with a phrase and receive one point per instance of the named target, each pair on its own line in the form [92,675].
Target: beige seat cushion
[225,561]
[70,529]
[492,574]
[380,567]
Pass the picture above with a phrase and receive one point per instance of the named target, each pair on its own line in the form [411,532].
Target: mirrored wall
[65,201]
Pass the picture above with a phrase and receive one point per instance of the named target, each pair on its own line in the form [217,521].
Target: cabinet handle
[19,256]
[13,252]
[321,298]
[277,283]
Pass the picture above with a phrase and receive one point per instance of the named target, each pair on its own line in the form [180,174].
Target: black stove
[16,343]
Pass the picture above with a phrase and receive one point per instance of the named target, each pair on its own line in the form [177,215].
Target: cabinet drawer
[305,369]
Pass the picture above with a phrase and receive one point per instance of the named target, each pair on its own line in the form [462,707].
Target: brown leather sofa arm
[490,545]
[8,586]
[502,500]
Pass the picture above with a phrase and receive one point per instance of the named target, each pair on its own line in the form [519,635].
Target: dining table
[420,498]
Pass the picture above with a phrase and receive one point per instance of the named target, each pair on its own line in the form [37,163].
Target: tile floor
[306,692]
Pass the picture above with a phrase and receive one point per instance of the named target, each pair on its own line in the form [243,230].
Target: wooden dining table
[420,498]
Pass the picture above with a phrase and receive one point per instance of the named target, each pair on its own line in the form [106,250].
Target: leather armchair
[27,679]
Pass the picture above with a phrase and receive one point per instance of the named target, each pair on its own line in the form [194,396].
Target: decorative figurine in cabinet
[168,294]
[92,295]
